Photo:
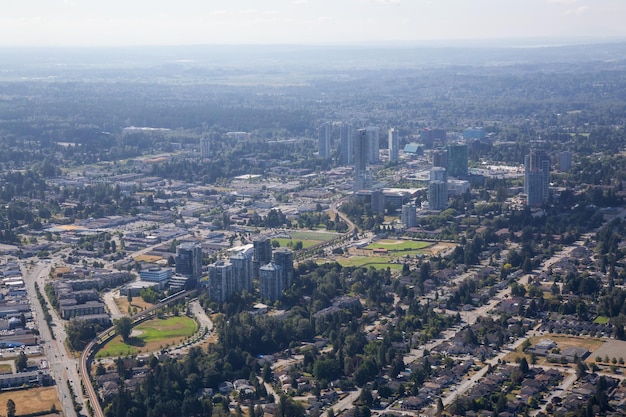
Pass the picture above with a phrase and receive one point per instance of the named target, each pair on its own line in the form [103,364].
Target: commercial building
[156,274]
[189,260]
[438,174]
[457,160]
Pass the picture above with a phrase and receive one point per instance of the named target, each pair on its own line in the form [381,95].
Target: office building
[440,158]
[394,145]
[431,136]
[156,274]
[189,260]
[457,160]
[537,177]
[242,272]
[409,215]
[324,140]
[346,144]
[220,281]
[262,254]
[362,177]
[437,195]
[283,257]
[205,147]
[378,202]
[271,281]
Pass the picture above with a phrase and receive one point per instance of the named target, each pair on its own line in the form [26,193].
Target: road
[62,368]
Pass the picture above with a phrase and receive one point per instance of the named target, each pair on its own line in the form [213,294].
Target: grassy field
[308,238]
[285,243]
[399,245]
[563,341]
[5,368]
[147,258]
[33,400]
[122,304]
[319,236]
[601,320]
[367,261]
[151,336]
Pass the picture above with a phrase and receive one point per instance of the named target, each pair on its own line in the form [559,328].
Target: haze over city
[159,22]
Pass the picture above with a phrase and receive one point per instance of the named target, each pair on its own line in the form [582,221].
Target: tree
[21,362]
[10,408]
[124,326]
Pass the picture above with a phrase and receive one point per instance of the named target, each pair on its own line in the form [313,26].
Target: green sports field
[399,245]
[151,336]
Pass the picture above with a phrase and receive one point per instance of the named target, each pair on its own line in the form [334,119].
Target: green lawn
[308,238]
[601,320]
[319,236]
[151,336]
[399,245]
[367,261]
[284,243]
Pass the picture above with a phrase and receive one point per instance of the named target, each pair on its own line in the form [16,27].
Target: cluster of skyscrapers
[272,269]
[359,147]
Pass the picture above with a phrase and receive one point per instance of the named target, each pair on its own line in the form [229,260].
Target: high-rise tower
[394,145]
[346,144]
[189,260]
[457,160]
[205,147]
[362,178]
[537,177]
[373,134]
[324,140]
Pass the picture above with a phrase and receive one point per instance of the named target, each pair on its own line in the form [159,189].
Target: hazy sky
[174,22]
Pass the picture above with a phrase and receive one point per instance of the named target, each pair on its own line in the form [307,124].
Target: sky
[193,22]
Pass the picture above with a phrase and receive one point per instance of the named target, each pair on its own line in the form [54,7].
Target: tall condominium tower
[362,178]
[537,177]
[271,281]
[262,254]
[324,140]
[409,215]
[220,281]
[189,260]
[438,174]
[346,144]
[205,147]
[457,160]
[373,134]
[394,145]
[242,272]
[283,257]
[437,195]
